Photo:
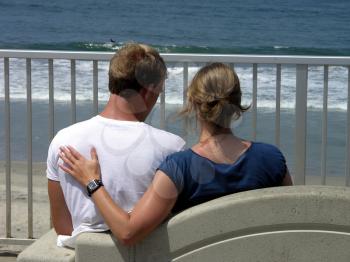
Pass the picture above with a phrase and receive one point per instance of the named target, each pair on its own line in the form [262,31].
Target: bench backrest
[299,223]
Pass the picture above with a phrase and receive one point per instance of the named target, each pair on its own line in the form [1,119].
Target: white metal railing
[301,62]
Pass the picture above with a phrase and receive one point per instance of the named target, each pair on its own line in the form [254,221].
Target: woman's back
[199,179]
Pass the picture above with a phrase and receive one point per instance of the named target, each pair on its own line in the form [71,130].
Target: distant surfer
[112,41]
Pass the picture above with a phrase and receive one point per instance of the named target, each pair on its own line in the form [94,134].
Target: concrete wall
[300,223]
[45,249]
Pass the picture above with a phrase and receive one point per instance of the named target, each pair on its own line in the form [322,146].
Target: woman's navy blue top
[198,179]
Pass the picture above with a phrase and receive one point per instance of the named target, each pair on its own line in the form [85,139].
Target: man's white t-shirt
[129,154]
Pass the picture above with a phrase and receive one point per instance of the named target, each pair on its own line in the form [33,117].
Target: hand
[82,169]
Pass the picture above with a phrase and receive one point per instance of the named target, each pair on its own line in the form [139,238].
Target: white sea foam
[280,47]
[337,85]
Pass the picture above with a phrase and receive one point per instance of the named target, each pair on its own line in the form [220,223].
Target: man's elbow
[62,230]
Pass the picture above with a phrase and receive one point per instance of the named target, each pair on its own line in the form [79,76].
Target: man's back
[129,153]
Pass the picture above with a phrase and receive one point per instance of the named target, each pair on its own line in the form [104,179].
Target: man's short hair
[135,66]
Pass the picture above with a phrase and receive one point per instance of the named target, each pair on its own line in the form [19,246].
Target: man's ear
[148,91]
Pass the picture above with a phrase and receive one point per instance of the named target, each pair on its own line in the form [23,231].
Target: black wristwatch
[93,186]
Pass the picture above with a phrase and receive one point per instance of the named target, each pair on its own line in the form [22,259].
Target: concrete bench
[299,223]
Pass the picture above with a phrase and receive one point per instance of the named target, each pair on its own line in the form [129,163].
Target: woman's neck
[214,132]
[220,144]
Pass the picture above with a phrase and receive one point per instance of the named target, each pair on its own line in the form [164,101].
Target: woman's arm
[287,181]
[149,212]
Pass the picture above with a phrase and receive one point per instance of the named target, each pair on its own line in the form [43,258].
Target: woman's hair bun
[215,95]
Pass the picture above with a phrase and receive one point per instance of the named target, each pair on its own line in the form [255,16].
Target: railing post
[7,145]
[95,87]
[29,147]
[300,125]
[347,159]
[278,106]
[254,97]
[324,127]
[73,92]
[162,109]
[51,101]
[184,96]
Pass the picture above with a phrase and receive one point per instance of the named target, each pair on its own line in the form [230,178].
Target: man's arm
[61,218]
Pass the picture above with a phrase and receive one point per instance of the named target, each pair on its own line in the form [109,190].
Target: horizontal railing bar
[257,59]
[16,241]
[47,54]
[201,58]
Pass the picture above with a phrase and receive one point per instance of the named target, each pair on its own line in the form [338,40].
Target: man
[129,150]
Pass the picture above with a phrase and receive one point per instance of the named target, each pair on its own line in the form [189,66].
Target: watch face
[92,185]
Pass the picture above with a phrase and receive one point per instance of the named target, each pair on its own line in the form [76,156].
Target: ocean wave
[111,45]
[266,96]
[280,47]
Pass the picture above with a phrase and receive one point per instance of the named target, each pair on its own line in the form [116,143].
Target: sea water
[297,27]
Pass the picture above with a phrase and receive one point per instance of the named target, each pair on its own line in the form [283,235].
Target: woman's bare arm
[287,181]
[149,212]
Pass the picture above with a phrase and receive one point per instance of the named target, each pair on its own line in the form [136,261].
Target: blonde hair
[135,66]
[215,95]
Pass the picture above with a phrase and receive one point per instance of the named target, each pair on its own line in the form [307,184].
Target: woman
[219,164]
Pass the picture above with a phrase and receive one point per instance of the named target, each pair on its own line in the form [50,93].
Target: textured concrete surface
[7,258]
[45,249]
[299,223]
[107,247]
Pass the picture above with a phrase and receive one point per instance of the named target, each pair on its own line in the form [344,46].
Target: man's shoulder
[166,139]
[75,130]
[166,135]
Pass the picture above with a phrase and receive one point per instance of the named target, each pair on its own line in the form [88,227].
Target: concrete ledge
[258,215]
[45,249]
[107,247]
[299,223]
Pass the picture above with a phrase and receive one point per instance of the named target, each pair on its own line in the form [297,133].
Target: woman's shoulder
[265,148]
[179,156]
[267,155]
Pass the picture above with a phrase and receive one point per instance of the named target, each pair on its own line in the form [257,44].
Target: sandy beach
[19,202]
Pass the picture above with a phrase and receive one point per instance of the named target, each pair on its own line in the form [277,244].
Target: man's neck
[119,108]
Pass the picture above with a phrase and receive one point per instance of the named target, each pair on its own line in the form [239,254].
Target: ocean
[300,27]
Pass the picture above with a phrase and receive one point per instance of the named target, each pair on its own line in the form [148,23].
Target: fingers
[74,152]
[66,158]
[93,154]
[66,169]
